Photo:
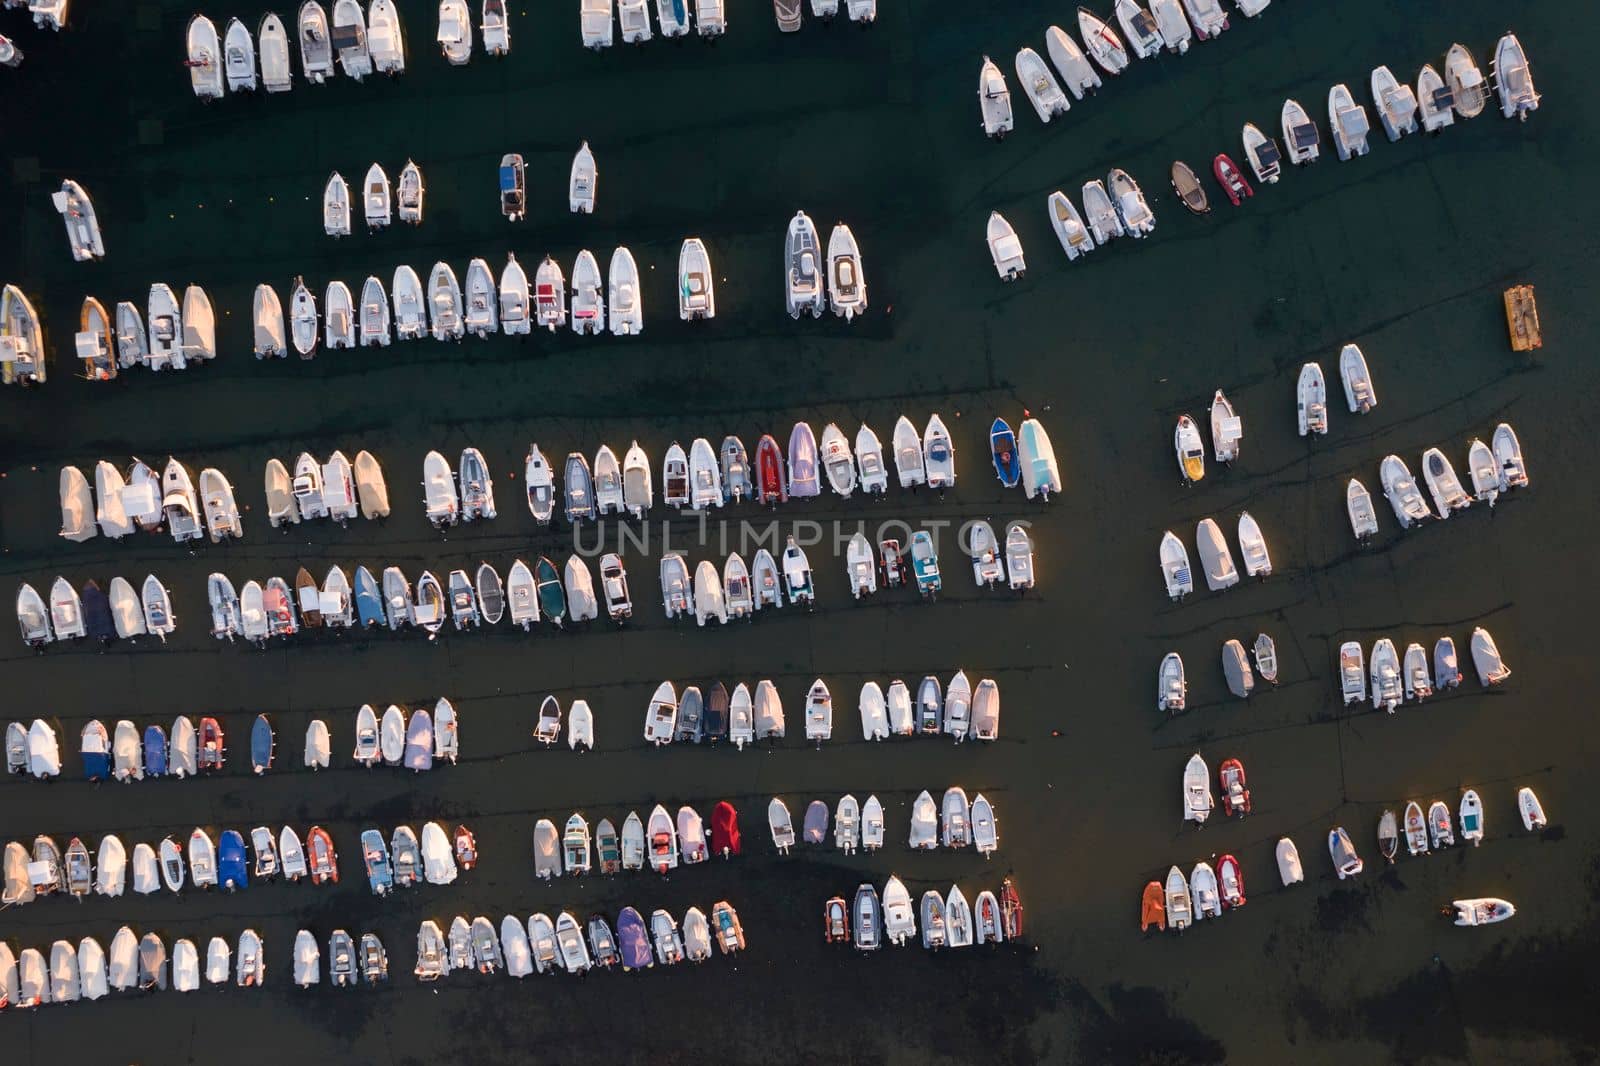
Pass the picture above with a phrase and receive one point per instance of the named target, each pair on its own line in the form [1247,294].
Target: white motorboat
[385,41]
[267,319]
[994,101]
[1311,407]
[336,206]
[1347,121]
[1105,221]
[1467,87]
[410,310]
[303,319]
[1289,869]
[1352,673]
[515,299]
[1387,682]
[83,226]
[409,192]
[1251,8]
[350,39]
[638,490]
[1262,153]
[1203,892]
[958,707]
[1076,71]
[607,477]
[1300,137]
[627,302]
[797,574]
[1216,558]
[77,506]
[1207,16]
[1396,103]
[1346,863]
[1441,831]
[1435,101]
[595,23]
[1415,829]
[1172,24]
[988,569]
[220,509]
[1485,657]
[227,619]
[273,46]
[482,302]
[1102,42]
[477,485]
[316,44]
[1532,811]
[861,566]
[339,316]
[440,500]
[1139,28]
[1443,484]
[180,507]
[674,17]
[1043,91]
[737,588]
[697,297]
[199,325]
[705,477]
[166,329]
[1401,490]
[550,295]
[709,602]
[1226,429]
[803,280]
[132,345]
[496,31]
[205,60]
[1485,911]
[1471,813]
[373,315]
[1171,685]
[22,352]
[1512,79]
[1358,504]
[819,712]
[1359,392]
[1253,547]
[836,460]
[938,454]
[1418,685]
[1180,911]
[1004,248]
[581,181]
[1190,450]
[1040,475]
[1508,454]
[445,304]
[781,825]
[588,299]
[847,283]
[908,454]
[869,459]
[1484,472]
[862,12]
[1068,224]
[634,18]
[1135,214]
[1175,567]
[455,32]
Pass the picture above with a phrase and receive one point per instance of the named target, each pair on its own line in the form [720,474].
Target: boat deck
[1522,319]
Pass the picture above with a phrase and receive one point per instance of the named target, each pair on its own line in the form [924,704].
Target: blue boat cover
[261,744]
[633,941]
[369,604]
[508,179]
[155,751]
[96,765]
[231,871]
[97,620]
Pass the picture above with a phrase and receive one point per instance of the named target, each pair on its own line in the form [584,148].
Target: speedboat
[1253,547]
[385,43]
[1300,137]
[1140,28]
[1396,103]
[588,300]
[1471,817]
[1289,869]
[1043,91]
[1484,472]
[83,226]
[550,295]
[1068,224]
[1401,490]
[1347,120]
[441,503]
[1236,668]
[1485,657]
[1352,673]
[994,101]
[596,24]
[1102,42]
[482,302]
[1512,79]
[1216,558]
[1232,182]
[1004,248]
[627,303]
[496,32]
[410,310]
[515,299]
[797,574]
[205,60]
[199,325]
[803,279]
[1203,892]
[1532,811]
[1485,911]
[1208,17]
[1508,454]
[339,316]
[350,39]
[477,487]
[1359,392]
[1190,449]
[1074,67]
[303,319]
[455,32]
[1418,685]
[1466,82]
[1358,504]
[803,481]
[1443,484]
[705,480]
[1197,799]
[267,319]
[847,283]
[1311,409]
[1346,863]
[1180,912]
[697,297]
[1172,25]
[1105,221]
[1132,210]
[316,46]
[336,206]
[445,304]
[1435,100]
[1175,567]
[1388,685]
[1262,153]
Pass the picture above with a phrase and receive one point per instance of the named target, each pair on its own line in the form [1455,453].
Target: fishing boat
[1139,27]
[1132,211]
[1262,153]
[1197,799]
[1512,79]
[1005,248]
[1532,811]
[1508,454]
[1435,100]
[994,101]
[1172,25]
[1346,863]
[336,206]
[1040,85]
[1484,472]
[482,301]
[1075,69]
[1300,137]
[797,574]
[1492,670]
[1443,484]
[455,32]
[1311,407]
[205,60]
[1232,181]
[1358,504]
[697,297]
[705,479]
[1467,87]
[444,304]
[1347,121]
[1105,221]
[1396,103]
[803,281]
[515,298]
[1180,912]
[588,299]
[1102,42]
[627,303]
[1401,490]
[339,316]
[1203,892]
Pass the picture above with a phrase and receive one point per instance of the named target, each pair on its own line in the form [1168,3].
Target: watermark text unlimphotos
[700,534]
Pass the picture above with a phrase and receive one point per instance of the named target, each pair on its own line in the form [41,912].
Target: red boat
[466,848]
[836,921]
[212,752]
[1230,881]
[724,829]
[770,487]
[1153,907]
[1010,910]
[324,860]
[894,567]
[1235,793]
[1230,178]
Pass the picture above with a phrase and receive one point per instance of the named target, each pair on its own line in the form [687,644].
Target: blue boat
[375,857]
[97,621]
[1003,450]
[634,941]
[96,752]
[369,603]
[552,597]
[261,745]
[925,563]
[155,751]
[232,873]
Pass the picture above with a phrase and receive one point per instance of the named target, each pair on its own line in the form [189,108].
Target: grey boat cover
[419,742]
[816,823]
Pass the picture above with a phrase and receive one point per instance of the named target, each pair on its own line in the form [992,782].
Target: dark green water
[1405,251]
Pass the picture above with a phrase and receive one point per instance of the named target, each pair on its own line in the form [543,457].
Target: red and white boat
[1230,879]
[212,753]
[1235,791]
[466,848]
[836,921]
[1231,178]
[1010,910]
[770,487]
[324,860]
[894,567]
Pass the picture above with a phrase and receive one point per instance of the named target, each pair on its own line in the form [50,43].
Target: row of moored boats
[86,971]
[180,333]
[1113,208]
[69,614]
[1494,468]
[1215,555]
[870,920]
[1392,680]
[1172,685]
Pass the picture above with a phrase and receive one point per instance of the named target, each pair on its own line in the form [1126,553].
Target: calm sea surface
[1405,251]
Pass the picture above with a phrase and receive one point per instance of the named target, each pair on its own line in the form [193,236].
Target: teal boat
[925,563]
[552,599]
